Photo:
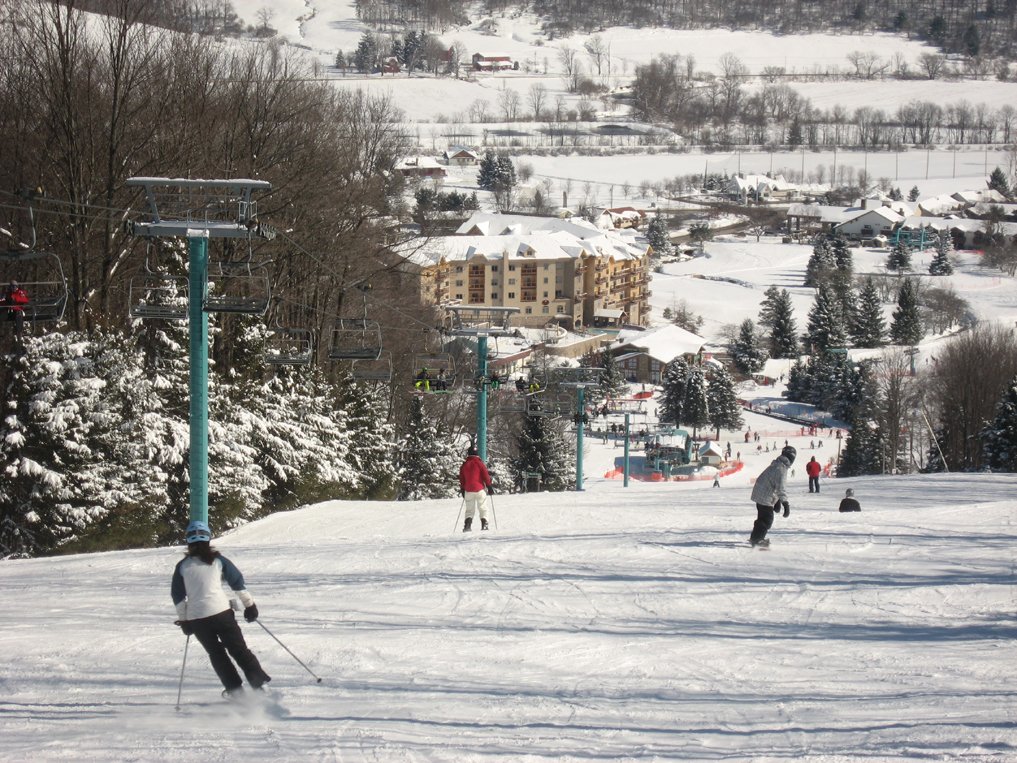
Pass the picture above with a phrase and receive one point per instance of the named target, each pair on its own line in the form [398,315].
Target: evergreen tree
[429,461]
[695,407]
[366,56]
[659,237]
[906,327]
[767,308]
[842,254]
[543,447]
[999,439]
[612,381]
[747,352]
[821,264]
[914,193]
[899,258]
[487,174]
[673,392]
[799,382]
[826,323]
[725,412]
[941,264]
[998,182]
[863,450]
[371,454]
[869,326]
[784,331]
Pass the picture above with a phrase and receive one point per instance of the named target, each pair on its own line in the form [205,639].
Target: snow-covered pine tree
[906,327]
[869,326]
[428,461]
[784,333]
[821,264]
[826,322]
[673,392]
[863,450]
[941,264]
[768,309]
[371,437]
[487,174]
[68,443]
[799,382]
[544,448]
[998,182]
[747,352]
[725,412]
[612,381]
[659,237]
[842,255]
[696,407]
[899,258]
[999,439]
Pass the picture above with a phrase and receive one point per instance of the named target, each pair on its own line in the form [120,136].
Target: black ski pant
[220,634]
[764,521]
[813,484]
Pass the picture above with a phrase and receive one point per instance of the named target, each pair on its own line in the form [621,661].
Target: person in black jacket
[848,503]
[204,611]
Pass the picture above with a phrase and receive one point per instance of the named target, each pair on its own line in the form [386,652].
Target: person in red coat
[474,487]
[813,469]
[14,300]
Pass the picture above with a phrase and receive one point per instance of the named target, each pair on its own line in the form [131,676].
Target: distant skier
[813,468]
[474,480]
[848,502]
[770,492]
[205,612]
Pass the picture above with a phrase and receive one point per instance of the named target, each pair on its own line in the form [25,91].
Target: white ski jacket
[197,587]
[771,485]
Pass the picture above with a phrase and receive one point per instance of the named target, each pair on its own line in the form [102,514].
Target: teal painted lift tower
[199,210]
[480,323]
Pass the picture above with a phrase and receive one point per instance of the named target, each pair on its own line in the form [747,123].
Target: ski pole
[280,643]
[461,505]
[180,688]
[494,515]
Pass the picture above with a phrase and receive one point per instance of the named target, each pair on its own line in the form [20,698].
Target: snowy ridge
[613,624]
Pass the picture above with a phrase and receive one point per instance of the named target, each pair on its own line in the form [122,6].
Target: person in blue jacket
[204,610]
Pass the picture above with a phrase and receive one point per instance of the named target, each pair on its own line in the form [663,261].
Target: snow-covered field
[613,624]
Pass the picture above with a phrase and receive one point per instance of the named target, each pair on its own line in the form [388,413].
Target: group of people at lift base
[205,612]
[13,302]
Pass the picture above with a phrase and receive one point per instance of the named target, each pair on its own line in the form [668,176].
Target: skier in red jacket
[813,469]
[14,300]
[474,480]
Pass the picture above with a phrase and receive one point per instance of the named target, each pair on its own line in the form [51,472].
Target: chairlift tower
[480,322]
[580,378]
[199,210]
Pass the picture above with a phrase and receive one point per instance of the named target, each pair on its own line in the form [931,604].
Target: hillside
[613,624]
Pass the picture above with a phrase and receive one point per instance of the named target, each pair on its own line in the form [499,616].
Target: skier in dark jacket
[474,487]
[848,503]
[769,493]
[204,611]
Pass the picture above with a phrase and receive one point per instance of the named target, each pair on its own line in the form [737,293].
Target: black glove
[251,613]
[490,489]
[462,493]
[787,509]
[185,626]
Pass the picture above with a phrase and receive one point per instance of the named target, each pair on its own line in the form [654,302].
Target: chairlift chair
[435,364]
[41,275]
[238,287]
[355,339]
[373,369]
[289,347]
[158,296]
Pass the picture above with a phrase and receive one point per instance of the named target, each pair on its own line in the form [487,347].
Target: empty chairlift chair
[289,347]
[355,339]
[238,287]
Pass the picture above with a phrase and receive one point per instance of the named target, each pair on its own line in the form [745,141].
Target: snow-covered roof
[710,448]
[986,196]
[664,344]
[885,212]
[619,244]
[418,163]
[453,150]
[940,205]
[744,183]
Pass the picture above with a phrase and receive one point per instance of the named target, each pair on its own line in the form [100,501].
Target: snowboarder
[473,481]
[770,492]
[848,503]
[422,380]
[813,468]
[204,611]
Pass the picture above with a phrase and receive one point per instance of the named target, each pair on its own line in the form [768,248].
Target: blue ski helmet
[198,532]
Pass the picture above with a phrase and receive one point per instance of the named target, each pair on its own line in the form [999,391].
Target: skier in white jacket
[770,492]
[204,610]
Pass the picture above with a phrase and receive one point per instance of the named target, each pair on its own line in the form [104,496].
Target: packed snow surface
[611,624]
